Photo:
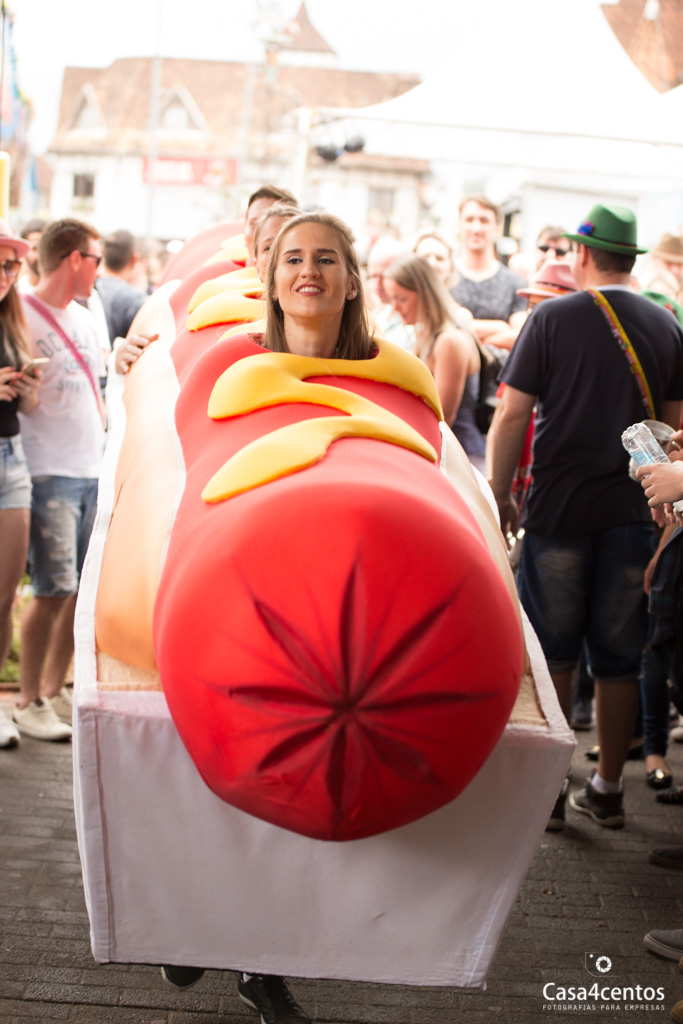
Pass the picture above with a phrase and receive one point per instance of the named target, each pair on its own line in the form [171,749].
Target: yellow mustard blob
[245,280]
[232,248]
[223,309]
[276,378]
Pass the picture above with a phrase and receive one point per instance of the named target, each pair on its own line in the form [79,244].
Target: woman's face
[436,254]
[403,301]
[265,242]
[311,280]
[6,281]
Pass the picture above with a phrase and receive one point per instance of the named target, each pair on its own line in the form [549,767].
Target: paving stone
[117,1015]
[13,1010]
[588,889]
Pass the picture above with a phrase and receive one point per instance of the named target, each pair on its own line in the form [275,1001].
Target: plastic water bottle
[644,449]
[642,446]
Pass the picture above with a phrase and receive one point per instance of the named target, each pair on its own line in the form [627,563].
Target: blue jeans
[62,518]
[15,481]
[588,586]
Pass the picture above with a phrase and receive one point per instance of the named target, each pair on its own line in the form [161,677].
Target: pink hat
[8,238]
[555,278]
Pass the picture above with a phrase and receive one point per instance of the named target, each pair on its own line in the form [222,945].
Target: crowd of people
[585,356]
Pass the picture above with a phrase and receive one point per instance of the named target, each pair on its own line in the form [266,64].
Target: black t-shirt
[121,301]
[567,355]
[9,421]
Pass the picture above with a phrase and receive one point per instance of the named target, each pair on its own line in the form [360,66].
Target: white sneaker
[63,705]
[38,720]
[9,734]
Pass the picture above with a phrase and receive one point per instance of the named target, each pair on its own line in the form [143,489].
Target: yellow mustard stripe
[223,309]
[232,248]
[275,378]
[626,342]
[245,280]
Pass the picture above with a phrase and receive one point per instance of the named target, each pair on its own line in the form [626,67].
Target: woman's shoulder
[450,335]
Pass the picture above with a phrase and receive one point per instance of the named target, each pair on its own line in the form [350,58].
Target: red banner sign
[190,171]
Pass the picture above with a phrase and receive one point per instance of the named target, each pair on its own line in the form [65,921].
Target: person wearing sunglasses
[64,441]
[551,244]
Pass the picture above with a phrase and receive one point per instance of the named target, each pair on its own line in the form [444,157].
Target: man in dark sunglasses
[63,439]
[551,245]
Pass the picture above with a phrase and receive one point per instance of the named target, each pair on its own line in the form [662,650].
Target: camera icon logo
[597,964]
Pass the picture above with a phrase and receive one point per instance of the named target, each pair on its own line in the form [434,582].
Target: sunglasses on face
[91,256]
[10,267]
[86,255]
[553,248]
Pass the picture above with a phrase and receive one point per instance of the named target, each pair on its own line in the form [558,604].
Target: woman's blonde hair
[436,307]
[278,210]
[15,333]
[355,340]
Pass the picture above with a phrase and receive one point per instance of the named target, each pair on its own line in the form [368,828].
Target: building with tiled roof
[222,128]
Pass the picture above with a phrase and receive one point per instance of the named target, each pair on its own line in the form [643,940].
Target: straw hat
[670,248]
[554,279]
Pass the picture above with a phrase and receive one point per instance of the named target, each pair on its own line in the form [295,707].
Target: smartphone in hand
[28,367]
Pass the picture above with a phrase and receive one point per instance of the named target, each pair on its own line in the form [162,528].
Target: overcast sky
[367,34]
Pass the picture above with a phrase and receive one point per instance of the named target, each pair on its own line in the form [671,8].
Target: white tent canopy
[542,86]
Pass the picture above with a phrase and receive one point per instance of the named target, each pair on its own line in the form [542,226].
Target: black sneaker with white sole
[268,995]
[606,809]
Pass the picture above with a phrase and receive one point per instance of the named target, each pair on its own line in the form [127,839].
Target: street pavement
[590,893]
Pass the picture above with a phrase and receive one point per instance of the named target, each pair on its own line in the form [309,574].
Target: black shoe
[606,809]
[181,977]
[667,857]
[556,819]
[268,995]
[659,778]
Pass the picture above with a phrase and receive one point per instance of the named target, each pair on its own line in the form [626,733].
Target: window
[87,117]
[176,117]
[84,186]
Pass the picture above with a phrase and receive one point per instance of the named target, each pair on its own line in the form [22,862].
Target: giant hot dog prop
[334,623]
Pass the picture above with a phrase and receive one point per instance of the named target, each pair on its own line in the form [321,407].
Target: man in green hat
[593,363]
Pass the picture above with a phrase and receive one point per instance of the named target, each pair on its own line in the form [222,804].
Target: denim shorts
[15,481]
[62,518]
[589,586]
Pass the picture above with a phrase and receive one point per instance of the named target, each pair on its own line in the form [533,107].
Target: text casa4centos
[554,993]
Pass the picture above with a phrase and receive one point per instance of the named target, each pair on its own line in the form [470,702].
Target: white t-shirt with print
[63,436]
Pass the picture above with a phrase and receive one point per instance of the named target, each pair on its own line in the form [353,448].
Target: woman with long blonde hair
[18,393]
[444,342]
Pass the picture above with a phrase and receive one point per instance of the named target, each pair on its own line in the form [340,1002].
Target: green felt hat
[612,228]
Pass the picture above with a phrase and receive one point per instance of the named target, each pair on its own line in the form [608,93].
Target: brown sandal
[671,796]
